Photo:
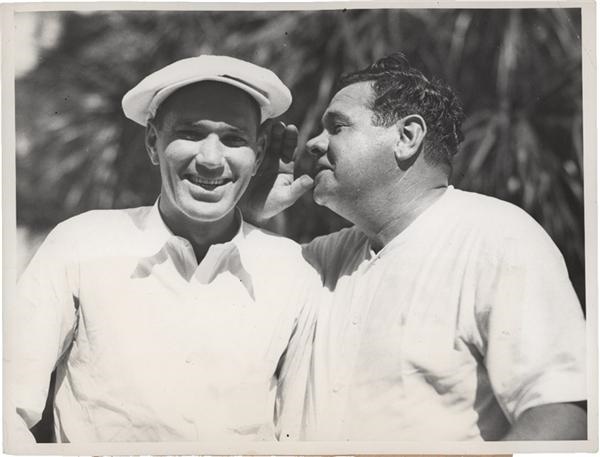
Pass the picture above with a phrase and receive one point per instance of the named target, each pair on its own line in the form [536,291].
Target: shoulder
[345,237]
[498,221]
[99,225]
[336,252]
[263,244]
[271,254]
[258,238]
[338,242]
[87,235]
[509,244]
[475,205]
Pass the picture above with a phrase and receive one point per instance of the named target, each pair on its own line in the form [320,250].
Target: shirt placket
[347,357]
[211,263]
[182,255]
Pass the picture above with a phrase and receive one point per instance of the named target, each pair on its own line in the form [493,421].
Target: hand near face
[275,188]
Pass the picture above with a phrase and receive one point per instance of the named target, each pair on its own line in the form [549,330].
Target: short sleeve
[531,320]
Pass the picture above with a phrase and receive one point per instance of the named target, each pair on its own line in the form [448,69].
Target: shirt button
[336,388]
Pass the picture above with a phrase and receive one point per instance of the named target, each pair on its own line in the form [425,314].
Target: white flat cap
[273,97]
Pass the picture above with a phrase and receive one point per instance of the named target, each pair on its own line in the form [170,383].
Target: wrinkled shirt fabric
[148,344]
[450,332]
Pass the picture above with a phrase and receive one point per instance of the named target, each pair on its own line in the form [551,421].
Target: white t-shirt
[148,344]
[460,324]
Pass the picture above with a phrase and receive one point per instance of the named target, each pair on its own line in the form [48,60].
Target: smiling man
[165,323]
[450,314]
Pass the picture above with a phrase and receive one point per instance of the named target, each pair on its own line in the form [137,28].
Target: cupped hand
[275,187]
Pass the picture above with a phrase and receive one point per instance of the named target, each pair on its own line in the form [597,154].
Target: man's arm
[294,367]
[556,421]
[534,332]
[40,324]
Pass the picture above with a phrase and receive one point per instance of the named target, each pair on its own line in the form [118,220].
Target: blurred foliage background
[518,73]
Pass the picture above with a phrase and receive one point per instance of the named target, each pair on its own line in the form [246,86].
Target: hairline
[376,118]
[381,119]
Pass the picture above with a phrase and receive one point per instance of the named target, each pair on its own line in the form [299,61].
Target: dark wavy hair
[400,90]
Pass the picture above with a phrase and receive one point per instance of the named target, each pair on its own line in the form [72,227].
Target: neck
[201,234]
[400,220]
[399,207]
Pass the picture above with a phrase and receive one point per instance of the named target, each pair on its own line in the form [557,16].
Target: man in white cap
[451,316]
[170,322]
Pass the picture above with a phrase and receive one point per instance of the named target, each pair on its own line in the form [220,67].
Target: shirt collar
[161,238]
[413,226]
[160,233]
[155,227]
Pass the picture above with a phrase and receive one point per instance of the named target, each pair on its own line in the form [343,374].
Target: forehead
[211,101]
[353,99]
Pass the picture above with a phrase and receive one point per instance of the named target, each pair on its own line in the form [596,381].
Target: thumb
[299,186]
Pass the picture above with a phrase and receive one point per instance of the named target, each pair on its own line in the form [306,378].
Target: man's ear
[261,146]
[150,141]
[411,132]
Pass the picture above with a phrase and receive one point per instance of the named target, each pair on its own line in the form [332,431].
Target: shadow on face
[214,101]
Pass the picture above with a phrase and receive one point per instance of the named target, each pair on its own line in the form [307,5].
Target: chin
[319,200]
[329,201]
[207,214]
[321,196]
[326,202]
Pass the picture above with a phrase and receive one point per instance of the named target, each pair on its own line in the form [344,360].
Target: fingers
[268,165]
[286,168]
[289,143]
[299,186]
[283,140]
[304,163]
[276,138]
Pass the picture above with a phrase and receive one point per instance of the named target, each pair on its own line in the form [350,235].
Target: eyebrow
[221,126]
[333,115]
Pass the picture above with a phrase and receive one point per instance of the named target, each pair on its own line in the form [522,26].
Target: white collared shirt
[450,332]
[151,346]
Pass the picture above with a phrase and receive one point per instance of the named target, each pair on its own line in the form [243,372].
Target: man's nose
[209,154]
[317,146]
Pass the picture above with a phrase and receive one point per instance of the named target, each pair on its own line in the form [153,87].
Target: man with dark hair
[164,323]
[447,315]
[399,90]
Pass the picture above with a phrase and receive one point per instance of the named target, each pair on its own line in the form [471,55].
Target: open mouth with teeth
[206,183]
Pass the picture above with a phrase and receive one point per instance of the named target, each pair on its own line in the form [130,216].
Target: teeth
[206,182]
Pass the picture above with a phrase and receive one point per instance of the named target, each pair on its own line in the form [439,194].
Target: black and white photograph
[299,228]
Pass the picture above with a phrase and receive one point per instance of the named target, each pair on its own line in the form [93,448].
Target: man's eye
[336,128]
[234,141]
[191,135]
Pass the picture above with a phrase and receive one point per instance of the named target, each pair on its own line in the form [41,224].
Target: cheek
[364,157]
[351,163]
[243,163]
[179,151]
[167,158]
[174,158]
